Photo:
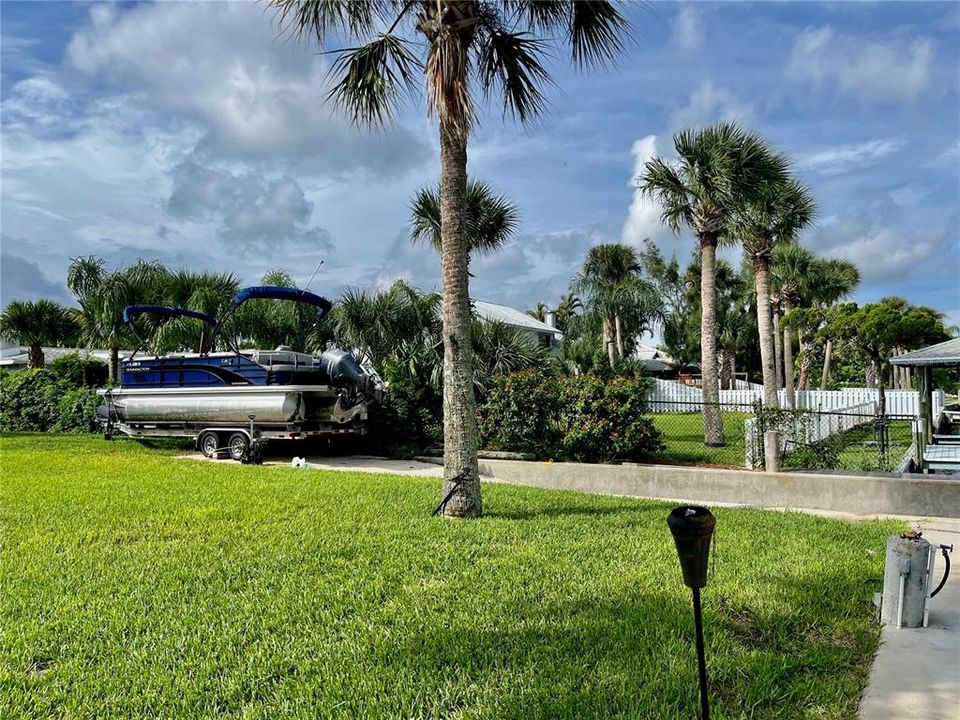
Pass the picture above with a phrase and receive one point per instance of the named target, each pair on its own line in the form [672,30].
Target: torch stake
[701,659]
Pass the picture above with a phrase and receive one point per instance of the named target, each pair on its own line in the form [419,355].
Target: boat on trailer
[238,399]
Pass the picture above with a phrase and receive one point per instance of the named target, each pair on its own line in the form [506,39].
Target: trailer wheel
[209,444]
[237,446]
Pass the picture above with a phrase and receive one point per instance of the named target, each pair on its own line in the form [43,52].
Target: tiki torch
[692,527]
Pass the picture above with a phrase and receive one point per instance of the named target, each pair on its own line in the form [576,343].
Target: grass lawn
[861,453]
[683,436]
[136,584]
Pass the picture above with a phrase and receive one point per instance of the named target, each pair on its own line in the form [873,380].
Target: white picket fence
[671,396]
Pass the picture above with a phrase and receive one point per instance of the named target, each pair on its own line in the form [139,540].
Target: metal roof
[20,356]
[512,316]
[943,354]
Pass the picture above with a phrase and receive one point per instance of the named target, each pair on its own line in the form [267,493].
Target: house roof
[512,316]
[16,357]
[945,354]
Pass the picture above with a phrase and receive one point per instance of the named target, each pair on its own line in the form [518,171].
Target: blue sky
[191,133]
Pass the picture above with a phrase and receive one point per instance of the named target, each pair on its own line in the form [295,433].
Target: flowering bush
[583,418]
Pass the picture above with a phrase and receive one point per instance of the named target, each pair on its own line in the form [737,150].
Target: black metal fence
[809,439]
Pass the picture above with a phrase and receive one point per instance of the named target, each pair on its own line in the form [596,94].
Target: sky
[197,134]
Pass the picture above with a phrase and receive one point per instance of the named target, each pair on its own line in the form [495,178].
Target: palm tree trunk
[619,328]
[827,359]
[726,367]
[113,366]
[769,358]
[712,419]
[608,342]
[35,357]
[788,360]
[777,344]
[804,382]
[459,412]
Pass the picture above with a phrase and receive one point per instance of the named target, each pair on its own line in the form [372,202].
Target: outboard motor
[341,368]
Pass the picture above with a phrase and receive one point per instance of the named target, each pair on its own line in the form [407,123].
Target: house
[656,362]
[545,333]
[16,357]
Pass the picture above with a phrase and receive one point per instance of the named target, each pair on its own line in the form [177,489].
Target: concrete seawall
[916,495]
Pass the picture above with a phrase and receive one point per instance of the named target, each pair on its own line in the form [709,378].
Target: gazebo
[945,354]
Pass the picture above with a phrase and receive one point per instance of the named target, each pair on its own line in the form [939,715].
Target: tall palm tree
[791,273]
[490,220]
[626,303]
[494,47]
[36,323]
[718,167]
[103,295]
[774,216]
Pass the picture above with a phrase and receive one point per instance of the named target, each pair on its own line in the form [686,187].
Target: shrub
[408,420]
[605,420]
[80,372]
[519,414]
[39,400]
[583,418]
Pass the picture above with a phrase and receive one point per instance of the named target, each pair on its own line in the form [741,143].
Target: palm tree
[791,272]
[496,47]
[718,168]
[626,303]
[567,310]
[36,323]
[490,219]
[103,296]
[831,282]
[773,217]
[539,312]
[204,292]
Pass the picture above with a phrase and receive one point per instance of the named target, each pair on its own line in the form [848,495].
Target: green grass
[683,437]
[861,453]
[139,585]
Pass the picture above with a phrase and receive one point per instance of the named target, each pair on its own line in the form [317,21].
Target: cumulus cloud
[22,279]
[841,158]
[264,103]
[883,252]
[252,212]
[643,216]
[687,31]
[898,71]
[709,103]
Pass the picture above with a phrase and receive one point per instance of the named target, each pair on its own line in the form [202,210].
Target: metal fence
[854,438]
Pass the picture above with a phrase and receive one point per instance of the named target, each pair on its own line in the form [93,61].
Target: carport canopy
[942,355]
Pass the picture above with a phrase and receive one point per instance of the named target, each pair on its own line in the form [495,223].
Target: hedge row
[58,398]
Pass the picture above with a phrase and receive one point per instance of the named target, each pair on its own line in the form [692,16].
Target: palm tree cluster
[727,185]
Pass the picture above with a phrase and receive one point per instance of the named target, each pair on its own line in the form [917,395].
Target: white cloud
[709,104]
[643,216]
[841,158]
[687,31]
[882,252]
[21,279]
[258,95]
[874,72]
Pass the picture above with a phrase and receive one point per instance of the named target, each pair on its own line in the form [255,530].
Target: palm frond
[510,63]
[596,31]
[373,79]
[321,18]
